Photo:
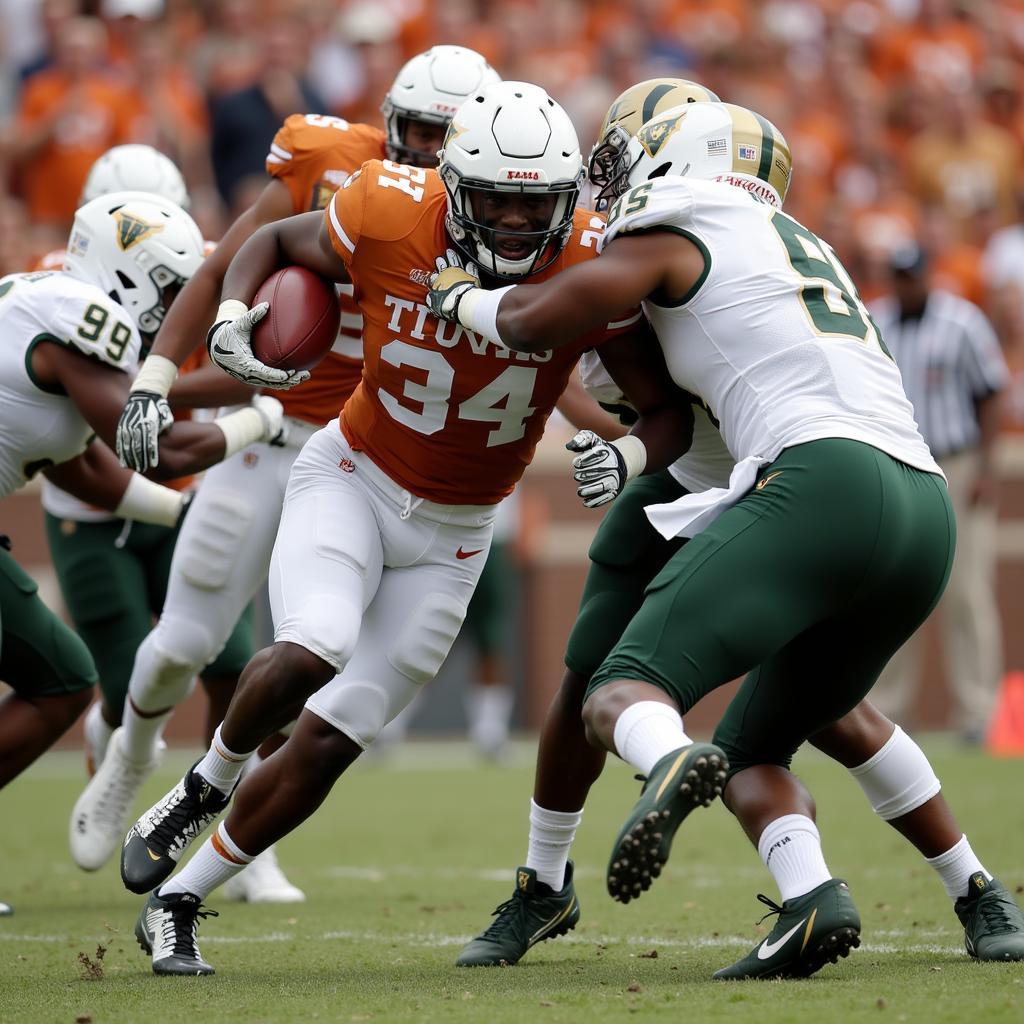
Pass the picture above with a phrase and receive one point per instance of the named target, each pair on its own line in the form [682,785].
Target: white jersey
[707,463]
[40,427]
[774,337]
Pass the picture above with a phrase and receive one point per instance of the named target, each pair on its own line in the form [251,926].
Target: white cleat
[97,735]
[100,816]
[263,881]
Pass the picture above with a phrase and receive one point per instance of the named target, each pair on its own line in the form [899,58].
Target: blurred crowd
[905,117]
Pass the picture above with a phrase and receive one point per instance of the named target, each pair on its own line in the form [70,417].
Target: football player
[112,571]
[774,337]
[626,555]
[223,552]
[388,513]
[72,341]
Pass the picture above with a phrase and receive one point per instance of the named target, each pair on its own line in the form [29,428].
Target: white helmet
[511,137]
[714,141]
[430,88]
[133,245]
[135,168]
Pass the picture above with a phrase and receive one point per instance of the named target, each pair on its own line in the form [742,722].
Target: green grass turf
[409,856]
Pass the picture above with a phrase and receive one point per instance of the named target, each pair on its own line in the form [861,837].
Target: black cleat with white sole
[681,781]
[156,842]
[166,930]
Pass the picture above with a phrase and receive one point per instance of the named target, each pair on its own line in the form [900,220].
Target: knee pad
[167,662]
[361,708]
[214,533]
[897,779]
[425,638]
[325,625]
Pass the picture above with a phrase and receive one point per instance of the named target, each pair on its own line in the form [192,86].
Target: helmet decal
[654,134]
[131,229]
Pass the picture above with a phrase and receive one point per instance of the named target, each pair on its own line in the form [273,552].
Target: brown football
[302,322]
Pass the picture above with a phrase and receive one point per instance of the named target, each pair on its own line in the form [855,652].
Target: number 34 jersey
[450,416]
[41,427]
[773,336]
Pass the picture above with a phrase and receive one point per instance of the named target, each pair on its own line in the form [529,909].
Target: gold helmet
[717,142]
[608,164]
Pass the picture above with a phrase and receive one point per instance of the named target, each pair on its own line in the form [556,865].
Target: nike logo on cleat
[768,949]
[152,855]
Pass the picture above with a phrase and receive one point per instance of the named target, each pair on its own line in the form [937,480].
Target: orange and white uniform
[313,155]
[223,551]
[388,519]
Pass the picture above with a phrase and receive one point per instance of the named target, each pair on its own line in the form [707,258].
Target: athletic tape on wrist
[478,310]
[230,309]
[156,374]
[240,429]
[633,452]
[148,502]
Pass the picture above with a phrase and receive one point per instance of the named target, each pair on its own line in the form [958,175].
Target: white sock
[97,733]
[222,767]
[490,711]
[551,836]
[956,866]
[140,734]
[791,850]
[217,860]
[646,731]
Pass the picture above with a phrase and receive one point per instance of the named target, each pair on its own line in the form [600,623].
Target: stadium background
[905,118]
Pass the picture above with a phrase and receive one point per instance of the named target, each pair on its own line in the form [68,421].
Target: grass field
[409,856]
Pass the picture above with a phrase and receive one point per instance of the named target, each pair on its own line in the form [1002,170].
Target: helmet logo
[131,229]
[655,134]
[520,174]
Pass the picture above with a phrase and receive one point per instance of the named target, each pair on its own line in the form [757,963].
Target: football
[300,327]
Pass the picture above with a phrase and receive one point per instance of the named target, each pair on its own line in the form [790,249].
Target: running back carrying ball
[302,322]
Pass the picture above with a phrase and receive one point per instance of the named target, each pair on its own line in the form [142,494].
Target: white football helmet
[135,168]
[608,166]
[717,142]
[430,88]
[134,245]
[511,137]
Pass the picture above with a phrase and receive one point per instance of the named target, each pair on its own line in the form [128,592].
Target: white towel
[688,515]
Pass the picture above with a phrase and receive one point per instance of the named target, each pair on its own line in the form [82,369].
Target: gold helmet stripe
[764,168]
[769,157]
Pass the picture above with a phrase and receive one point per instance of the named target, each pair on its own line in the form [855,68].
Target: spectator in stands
[67,117]
[954,375]
[243,123]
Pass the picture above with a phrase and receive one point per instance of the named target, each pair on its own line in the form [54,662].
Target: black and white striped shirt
[949,358]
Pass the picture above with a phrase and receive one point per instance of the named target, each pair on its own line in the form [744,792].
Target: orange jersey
[313,155]
[448,415]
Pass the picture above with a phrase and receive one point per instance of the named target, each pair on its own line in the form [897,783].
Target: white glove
[271,411]
[449,285]
[600,469]
[230,346]
[145,416]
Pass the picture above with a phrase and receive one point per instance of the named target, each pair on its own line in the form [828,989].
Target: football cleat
[166,930]
[101,813]
[156,842]
[534,914]
[812,930]
[993,923]
[682,780]
[96,734]
[262,881]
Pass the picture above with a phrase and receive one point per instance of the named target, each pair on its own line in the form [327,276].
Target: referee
[954,375]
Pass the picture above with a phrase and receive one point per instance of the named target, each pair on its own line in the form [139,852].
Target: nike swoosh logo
[467,554]
[220,350]
[152,855]
[768,949]
[761,484]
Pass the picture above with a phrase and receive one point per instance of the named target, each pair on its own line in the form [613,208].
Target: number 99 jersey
[773,336]
[448,415]
[40,427]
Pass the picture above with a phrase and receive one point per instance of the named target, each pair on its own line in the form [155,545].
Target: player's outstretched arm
[98,478]
[538,317]
[99,392]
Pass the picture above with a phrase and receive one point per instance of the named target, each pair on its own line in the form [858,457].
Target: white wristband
[478,311]
[240,429]
[633,452]
[147,502]
[156,374]
[230,309]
